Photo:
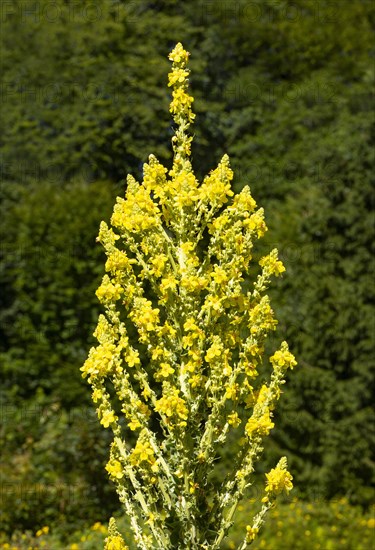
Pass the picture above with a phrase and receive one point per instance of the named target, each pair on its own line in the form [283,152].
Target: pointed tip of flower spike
[114,541]
[279,479]
[130,180]
[180,108]
[179,54]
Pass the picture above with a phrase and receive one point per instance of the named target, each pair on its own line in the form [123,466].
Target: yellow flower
[108,291]
[181,103]
[172,405]
[134,424]
[256,223]
[193,283]
[168,283]
[115,543]
[97,394]
[261,426]
[144,316]
[272,264]
[177,76]
[178,54]
[158,264]
[107,418]
[190,324]
[165,370]
[213,302]
[283,358]
[43,531]
[279,479]
[156,353]
[251,533]
[231,391]
[118,261]
[114,468]
[219,275]
[132,358]
[142,452]
[234,420]
[216,187]
[215,350]
[195,380]
[100,360]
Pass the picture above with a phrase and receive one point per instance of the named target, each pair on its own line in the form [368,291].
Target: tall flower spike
[179,347]
[180,108]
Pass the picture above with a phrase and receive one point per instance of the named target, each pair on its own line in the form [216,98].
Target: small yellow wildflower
[132,358]
[107,418]
[190,324]
[232,391]
[114,468]
[165,370]
[158,264]
[134,424]
[214,351]
[219,275]
[97,394]
[43,531]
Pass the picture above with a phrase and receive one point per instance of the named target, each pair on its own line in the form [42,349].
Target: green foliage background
[286,89]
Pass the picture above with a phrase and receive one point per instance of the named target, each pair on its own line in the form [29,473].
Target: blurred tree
[53,453]
[50,268]
[77,96]
[329,303]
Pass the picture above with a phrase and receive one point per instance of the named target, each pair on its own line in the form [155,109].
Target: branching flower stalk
[180,348]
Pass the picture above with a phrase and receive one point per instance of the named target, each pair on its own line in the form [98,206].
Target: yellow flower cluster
[179,347]
[173,407]
[283,359]
[108,291]
[251,533]
[181,104]
[271,264]
[114,541]
[279,479]
[143,452]
[115,469]
[260,426]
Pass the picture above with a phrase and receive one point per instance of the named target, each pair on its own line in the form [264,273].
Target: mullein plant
[181,343]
